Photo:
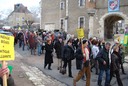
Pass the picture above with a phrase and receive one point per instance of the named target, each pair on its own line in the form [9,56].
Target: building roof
[19,8]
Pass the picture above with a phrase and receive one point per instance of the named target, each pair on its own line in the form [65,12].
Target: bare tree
[29,23]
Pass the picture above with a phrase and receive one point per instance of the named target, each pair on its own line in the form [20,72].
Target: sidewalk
[18,73]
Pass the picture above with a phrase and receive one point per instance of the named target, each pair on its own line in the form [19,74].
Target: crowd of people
[88,53]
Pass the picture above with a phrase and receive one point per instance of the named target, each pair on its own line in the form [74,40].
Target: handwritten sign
[80,33]
[6,47]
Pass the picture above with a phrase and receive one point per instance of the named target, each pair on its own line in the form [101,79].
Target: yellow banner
[125,39]
[6,47]
[80,33]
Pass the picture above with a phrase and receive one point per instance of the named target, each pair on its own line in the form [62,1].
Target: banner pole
[4,76]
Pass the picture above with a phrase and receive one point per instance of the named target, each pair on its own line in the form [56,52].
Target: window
[81,2]
[62,5]
[91,0]
[62,23]
[81,22]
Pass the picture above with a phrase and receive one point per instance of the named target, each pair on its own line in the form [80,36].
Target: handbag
[62,70]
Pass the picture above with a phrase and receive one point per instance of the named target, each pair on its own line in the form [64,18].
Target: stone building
[91,15]
[19,16]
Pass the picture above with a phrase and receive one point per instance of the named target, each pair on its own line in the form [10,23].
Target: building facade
[19,16]
[91,15]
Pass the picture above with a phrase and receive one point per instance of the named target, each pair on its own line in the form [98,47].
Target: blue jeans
[23,45]
[39,49]
[107,71]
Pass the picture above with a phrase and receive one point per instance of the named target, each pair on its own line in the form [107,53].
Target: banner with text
[80,33]
[6,47]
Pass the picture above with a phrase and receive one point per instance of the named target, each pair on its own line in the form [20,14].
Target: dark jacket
[68,53]
[79,58]
[102,56]
[58,47]
[115,61]
[48,53]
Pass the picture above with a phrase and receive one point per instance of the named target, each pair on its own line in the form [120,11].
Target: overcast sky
[6,5]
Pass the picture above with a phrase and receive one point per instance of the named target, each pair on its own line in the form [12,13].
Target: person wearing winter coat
[115,65]
[122,56]
[79,58]
[32,43]
[58,49]
[48,60]
[104,64]
[86,65]
[68,56]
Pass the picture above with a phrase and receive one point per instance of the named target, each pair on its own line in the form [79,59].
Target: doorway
[112,25]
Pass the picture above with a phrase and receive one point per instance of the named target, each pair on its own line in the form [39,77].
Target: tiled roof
[21,8]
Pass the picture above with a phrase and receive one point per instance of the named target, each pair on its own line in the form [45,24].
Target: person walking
[39,44]
[95,51]
[122,56]
[104,64]
[58,49]
[115,65]
[68,56]
[32,43]
[86,67]
[48,54]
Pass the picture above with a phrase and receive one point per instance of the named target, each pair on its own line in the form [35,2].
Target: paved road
[37,61]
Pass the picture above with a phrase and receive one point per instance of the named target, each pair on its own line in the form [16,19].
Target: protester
[104,64]
[10,80]
[48,54]
[32,43]
[79,59]
[68,56]
[115,65]
[39,44]
[86,67]
[95,51]
[121,59]
[58,49]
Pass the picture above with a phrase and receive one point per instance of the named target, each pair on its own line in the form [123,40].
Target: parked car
[6,33]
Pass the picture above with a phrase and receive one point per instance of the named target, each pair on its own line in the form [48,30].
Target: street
[34,74]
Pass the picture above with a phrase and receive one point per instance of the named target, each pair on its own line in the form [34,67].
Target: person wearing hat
[86,65]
